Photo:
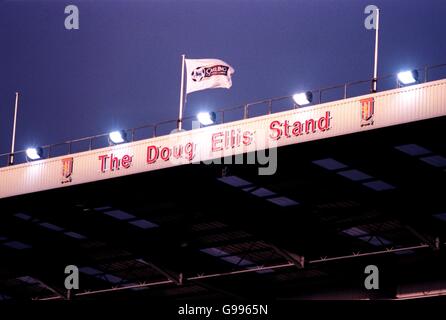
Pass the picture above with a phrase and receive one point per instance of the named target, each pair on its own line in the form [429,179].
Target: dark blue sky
[121,69]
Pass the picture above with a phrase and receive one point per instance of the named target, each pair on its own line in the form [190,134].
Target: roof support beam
[433,243]
[297,260]
[176,278]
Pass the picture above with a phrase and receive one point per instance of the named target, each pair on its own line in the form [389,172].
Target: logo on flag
[67,170]
[202,73]
[207,74]
[367,111]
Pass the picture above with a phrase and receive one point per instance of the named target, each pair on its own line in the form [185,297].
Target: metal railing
[270,106]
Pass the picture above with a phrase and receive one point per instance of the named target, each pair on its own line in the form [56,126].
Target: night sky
[121,69]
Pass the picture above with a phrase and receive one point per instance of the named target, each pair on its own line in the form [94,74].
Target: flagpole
[180,116]
[11,155]
[375,69]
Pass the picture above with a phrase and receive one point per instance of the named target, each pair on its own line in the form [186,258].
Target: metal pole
[11,155]
[375,69]
[180,116]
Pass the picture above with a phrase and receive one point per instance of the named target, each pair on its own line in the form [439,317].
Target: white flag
[207,73]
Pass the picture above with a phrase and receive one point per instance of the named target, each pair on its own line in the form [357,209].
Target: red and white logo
[367,111]
[67,170]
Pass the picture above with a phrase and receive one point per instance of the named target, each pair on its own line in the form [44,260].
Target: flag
[207,74]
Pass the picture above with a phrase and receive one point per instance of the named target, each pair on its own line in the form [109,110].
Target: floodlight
[408,77]
[206,118]
[303,98]
[117,137]
[34,153]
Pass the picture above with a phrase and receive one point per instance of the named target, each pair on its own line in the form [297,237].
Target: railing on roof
[245,111]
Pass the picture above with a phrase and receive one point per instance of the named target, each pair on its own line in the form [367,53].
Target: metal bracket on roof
[56,292]
[433,243]
[297,260]
[225,171]
[437,243]
[172,276]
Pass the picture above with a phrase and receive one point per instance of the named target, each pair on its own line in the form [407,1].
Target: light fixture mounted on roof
[303,98]
[206,118]
[117,137]
[34,153]
[408,77]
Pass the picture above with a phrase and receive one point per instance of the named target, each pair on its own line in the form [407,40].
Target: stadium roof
[334,206]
